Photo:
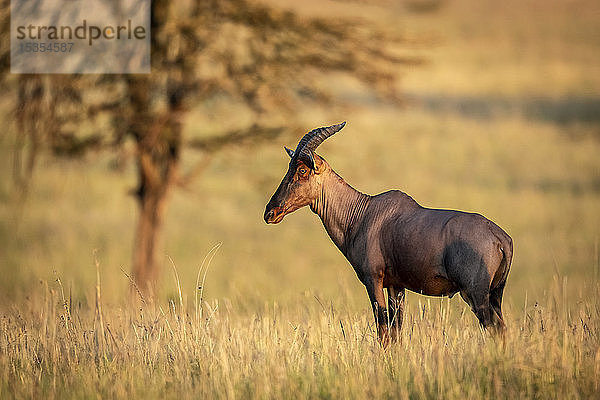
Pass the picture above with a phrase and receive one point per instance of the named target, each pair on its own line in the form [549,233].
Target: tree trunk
[157,132]
[152,201]
[158,141]
[157,158]
[144,248]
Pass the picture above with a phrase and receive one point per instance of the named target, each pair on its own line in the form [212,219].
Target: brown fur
[392,242]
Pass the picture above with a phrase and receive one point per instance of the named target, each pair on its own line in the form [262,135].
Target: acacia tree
[265,58]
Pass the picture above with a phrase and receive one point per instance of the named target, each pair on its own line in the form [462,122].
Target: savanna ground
[504,120]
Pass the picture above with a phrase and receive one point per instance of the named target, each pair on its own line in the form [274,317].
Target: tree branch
[247,136]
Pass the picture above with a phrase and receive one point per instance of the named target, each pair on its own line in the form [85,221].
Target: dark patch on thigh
[465,266]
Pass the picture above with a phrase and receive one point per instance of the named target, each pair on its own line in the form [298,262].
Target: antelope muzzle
[274,215]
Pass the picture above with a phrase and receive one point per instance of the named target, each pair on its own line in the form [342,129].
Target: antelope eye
[302,171]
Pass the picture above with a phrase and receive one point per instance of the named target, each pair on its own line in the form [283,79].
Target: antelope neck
[340,207]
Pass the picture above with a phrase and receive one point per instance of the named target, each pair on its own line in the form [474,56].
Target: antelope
[392,242]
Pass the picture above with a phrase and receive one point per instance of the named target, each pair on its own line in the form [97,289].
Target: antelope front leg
[396,310]
[377,298]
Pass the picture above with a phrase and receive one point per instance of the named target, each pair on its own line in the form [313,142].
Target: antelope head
[301,184]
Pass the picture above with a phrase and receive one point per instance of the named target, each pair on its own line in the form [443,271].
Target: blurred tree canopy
[265,58]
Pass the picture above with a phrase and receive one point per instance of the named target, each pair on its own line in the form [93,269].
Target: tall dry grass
[53,348]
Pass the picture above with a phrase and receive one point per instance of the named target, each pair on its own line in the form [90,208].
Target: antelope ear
[318,164]
[289,151]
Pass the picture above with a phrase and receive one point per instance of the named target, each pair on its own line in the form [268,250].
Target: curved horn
[313,139]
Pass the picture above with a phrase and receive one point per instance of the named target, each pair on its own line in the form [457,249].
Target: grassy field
[503,120]
[305,349]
